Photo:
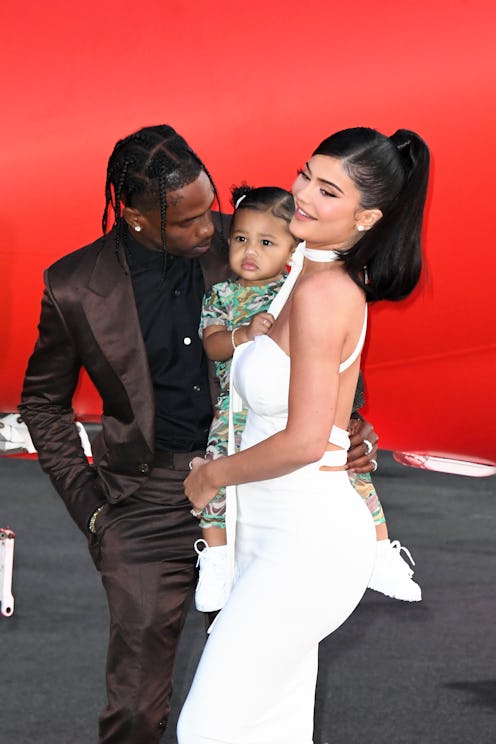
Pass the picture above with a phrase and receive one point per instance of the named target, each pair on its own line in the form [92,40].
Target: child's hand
[260,325]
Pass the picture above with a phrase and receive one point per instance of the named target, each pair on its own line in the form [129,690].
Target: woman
[358,206]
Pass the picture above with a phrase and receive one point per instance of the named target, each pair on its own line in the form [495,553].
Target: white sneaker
[211,591]
[392,575]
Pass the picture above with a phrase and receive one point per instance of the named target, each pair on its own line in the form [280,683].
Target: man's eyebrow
[174,199]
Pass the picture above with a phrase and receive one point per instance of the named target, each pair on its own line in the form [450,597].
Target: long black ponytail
[391,174]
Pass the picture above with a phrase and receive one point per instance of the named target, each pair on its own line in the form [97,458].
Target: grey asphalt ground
[395,672]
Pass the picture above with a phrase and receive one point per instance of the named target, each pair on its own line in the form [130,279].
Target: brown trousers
[144,550]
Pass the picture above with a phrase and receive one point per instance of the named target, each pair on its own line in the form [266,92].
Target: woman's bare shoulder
[328,289]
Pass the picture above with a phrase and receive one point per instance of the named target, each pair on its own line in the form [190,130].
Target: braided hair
[142,169]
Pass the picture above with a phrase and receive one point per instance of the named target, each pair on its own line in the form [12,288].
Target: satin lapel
[109,304]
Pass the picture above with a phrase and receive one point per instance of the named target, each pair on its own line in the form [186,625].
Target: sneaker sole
[392,596]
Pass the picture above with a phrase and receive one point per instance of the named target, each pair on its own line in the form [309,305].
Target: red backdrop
[254,87]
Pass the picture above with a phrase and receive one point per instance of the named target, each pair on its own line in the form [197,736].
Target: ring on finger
[374,465]
[190,464]
[368,444]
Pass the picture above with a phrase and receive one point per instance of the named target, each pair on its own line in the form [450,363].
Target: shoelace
[199,552]
[396,545]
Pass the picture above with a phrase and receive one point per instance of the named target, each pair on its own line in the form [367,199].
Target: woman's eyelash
[305,175]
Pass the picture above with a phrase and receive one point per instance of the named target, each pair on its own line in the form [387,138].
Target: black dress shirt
[168,300]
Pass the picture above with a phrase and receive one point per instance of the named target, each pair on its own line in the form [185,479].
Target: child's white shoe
[392,575]
[211,591]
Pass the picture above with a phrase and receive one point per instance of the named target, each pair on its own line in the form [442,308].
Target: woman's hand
[197,486]
[362,454]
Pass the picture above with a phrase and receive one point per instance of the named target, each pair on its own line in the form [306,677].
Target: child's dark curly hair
[264,199]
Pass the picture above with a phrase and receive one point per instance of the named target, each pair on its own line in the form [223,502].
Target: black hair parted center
[142,169]
[392,175]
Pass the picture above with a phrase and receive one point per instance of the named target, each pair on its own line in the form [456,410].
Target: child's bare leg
[214,536]
[381,531]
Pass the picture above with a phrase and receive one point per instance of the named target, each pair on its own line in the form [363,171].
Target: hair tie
[238,201]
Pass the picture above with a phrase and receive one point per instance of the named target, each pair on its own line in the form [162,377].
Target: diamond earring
[360,228]
[137,228]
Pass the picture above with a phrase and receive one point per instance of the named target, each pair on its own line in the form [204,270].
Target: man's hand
[362,455]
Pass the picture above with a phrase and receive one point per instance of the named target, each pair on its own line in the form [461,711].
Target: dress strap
[279,300]
[235,406]
[358,348]
[339,437]
[333,458]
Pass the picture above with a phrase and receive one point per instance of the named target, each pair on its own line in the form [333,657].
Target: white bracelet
[232,337]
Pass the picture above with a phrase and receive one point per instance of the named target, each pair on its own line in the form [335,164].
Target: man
[127,309]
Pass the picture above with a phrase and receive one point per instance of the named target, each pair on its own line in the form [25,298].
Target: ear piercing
[137,228]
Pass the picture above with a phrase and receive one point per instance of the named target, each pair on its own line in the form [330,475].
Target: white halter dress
[304,551]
